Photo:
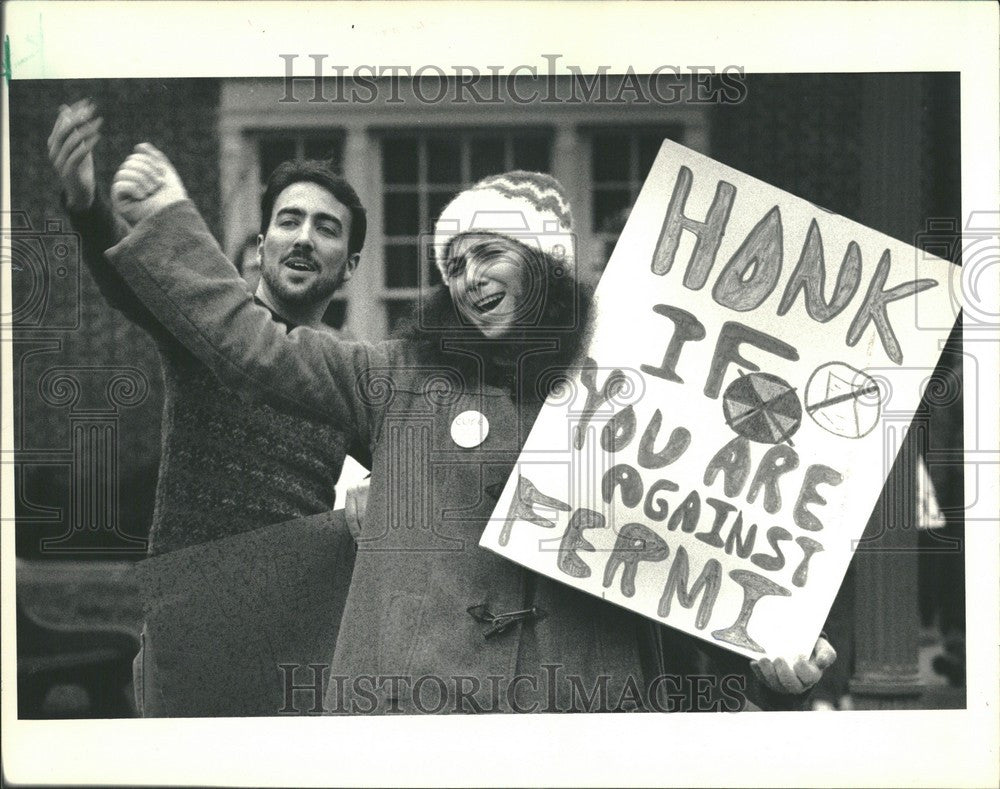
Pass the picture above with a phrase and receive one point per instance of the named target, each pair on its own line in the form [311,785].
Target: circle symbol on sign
[843,401]
[469,429]
[762,407]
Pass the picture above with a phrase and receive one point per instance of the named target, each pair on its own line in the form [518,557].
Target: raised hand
[71,145]
[781,677]
[145,183]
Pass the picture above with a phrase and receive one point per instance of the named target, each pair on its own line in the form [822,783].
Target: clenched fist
[145,184]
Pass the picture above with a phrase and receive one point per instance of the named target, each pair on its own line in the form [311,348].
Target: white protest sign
[715,460]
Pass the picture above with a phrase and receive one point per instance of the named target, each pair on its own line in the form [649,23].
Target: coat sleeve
[173,264]
[99,229]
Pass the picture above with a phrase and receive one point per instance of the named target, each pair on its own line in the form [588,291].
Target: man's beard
[318,290]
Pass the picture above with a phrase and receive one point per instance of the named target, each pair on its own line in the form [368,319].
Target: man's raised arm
[173,264]
[70,146]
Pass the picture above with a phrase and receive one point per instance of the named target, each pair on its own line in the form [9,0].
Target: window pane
[399,160]
[424,250]
[326,148]
[402,214]
[487,157]
[444,161]
[436,201]
[272,153]
[609,157]
[611,209]
[401,266]
[398,311]
[336,314]
[433,274]
[532,153]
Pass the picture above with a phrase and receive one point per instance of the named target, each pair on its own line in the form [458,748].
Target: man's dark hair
[322,174]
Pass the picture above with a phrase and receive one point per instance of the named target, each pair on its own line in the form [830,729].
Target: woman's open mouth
[487,303]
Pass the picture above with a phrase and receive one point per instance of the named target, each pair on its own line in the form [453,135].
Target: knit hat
[527,207]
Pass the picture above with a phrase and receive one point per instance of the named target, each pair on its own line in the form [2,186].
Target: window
[408,161]
[619,162]
[421,173]
[273,149]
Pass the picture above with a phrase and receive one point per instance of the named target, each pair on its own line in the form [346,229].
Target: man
[229,465]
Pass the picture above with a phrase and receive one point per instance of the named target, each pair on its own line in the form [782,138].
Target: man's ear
[350,265]
[260,249]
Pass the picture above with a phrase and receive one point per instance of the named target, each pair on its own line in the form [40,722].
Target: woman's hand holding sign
[145,183]
[781,677]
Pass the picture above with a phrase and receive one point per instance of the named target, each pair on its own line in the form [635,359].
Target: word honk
[753,271]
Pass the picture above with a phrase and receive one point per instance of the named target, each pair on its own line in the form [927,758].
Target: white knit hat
[528,207]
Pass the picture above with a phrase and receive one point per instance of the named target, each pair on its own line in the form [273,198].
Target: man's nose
[304,236]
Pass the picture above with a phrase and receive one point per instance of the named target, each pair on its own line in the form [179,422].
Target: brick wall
[75,328]
[807,134]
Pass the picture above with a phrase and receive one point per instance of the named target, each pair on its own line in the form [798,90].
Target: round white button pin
[469,429]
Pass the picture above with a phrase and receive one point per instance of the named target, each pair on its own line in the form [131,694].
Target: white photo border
[54,40]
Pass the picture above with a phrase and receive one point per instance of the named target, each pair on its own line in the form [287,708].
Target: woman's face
[495,282]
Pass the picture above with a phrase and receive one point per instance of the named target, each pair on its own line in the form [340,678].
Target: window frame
[673,130]
[248,109]
[465,136]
